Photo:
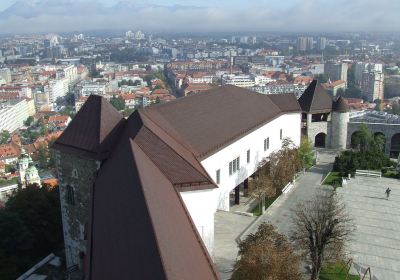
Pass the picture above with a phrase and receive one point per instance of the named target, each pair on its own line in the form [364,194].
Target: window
[234,166]
[218,176]
[281,134]
[266,144]
[70,195]
[75,173]
[248,156]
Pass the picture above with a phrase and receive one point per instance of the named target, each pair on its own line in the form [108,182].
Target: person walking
[387,192]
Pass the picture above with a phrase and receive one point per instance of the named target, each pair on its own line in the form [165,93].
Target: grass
[268,201]
[390,174]
[332,178]
[8,182]
[336,272]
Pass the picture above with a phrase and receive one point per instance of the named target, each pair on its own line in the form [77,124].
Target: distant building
[305,43]
[361,67]
[239,81]
[336,71]
[5,74]
[14,113]
[372,85]
[333,87]
[321,43]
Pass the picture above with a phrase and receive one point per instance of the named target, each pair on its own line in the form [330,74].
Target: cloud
[252,16]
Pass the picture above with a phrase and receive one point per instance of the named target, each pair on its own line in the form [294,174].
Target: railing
[370,173]
[365,274]
[72,269]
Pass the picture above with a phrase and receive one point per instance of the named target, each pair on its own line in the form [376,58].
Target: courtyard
[376,240]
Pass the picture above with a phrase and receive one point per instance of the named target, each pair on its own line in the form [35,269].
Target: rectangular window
[234,166]
[266,144]
[218,176]
[248,156]
[70,195]
[281,134]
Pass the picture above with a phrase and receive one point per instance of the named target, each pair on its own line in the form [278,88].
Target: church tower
[81,149]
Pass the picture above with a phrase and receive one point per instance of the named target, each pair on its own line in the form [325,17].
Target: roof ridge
[131,147]
[186,212]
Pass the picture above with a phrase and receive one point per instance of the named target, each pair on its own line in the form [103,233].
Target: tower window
[70,195]
[248,156]
[218,176]
[281,134]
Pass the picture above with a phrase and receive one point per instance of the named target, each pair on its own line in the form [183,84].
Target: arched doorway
[380,138]
[320,140]
[355,140]
[395,146]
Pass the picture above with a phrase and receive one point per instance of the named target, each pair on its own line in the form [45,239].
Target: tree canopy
[30,229]
[266,255]
[5,136]
[321,229]
[118,103]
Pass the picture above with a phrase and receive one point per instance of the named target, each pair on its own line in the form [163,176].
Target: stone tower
[81,149]
[340,119]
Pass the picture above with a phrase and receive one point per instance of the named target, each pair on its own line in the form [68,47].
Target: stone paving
[376,240]
[229,226]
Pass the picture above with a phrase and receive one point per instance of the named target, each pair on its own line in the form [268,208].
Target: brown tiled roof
[315,99]
[140,227]
[210,120]
[92,130]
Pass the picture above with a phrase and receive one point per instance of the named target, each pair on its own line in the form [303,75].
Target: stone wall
[389,130]
[79,173]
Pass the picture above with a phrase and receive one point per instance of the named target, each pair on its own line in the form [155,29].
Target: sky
[32,16]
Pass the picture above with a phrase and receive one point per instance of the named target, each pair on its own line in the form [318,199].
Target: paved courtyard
[376,241]
[230,226]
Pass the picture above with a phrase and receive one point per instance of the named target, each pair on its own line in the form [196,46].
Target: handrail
[365,274]
[348,266]
[72,268]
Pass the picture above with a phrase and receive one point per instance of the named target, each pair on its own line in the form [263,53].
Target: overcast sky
[202,15]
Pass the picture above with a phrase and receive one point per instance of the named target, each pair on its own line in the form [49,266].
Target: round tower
[340,120]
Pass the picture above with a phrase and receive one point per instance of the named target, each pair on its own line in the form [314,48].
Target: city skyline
[40,16]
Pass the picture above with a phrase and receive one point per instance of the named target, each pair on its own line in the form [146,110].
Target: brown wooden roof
[340,105]
[92,131]
[315,99]
[140,227]
[211,120]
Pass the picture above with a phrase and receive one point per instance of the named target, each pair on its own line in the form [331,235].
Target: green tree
[28,121]
[30,229]
[267,255]
[5,137]
[118,103]
[306,153]
[42,156]
[353,92]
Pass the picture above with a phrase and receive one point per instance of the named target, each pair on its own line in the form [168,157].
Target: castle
[138,195]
